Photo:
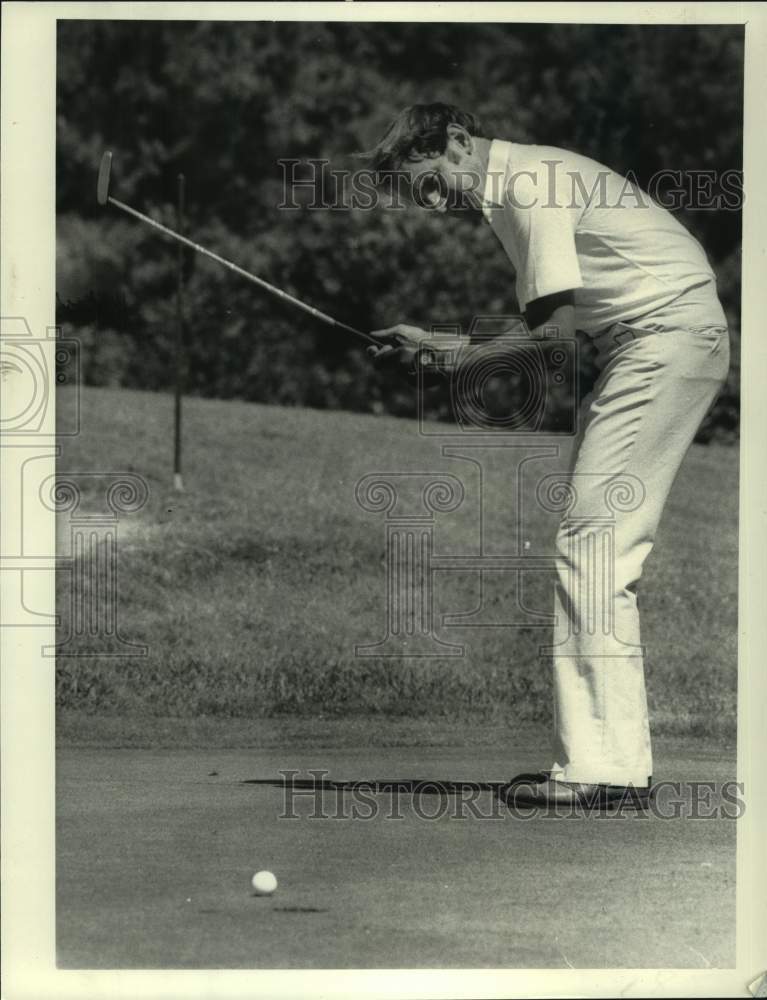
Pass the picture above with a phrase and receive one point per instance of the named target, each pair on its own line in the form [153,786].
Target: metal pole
[178,482]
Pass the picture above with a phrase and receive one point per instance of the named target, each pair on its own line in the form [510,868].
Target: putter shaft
[285,296]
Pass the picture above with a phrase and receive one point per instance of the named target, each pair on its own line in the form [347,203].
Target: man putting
[593,254]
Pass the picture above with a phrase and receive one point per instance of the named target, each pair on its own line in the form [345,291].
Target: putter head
[102,189]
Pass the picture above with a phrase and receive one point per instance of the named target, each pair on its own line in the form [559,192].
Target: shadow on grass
[412,786]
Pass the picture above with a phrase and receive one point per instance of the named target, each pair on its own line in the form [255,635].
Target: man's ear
[460,136]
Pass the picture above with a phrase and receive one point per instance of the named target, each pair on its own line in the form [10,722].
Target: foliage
[225,102]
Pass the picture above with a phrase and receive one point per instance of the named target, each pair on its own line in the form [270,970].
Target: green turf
[253,588]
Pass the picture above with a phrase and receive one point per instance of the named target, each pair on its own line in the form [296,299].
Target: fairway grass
[251,590]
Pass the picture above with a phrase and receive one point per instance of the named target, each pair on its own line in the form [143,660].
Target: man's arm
[557,310]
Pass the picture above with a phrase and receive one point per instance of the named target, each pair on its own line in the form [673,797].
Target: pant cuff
[603,774]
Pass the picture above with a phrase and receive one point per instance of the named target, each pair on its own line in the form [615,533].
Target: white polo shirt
[568,222]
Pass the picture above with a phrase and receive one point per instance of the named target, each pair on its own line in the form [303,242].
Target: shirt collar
[497,164]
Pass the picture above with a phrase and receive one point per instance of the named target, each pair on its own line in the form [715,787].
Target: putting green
[156,849]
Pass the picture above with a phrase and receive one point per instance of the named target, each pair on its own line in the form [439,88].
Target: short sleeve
[539,239]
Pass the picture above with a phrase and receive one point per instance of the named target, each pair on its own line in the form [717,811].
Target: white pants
[636,426]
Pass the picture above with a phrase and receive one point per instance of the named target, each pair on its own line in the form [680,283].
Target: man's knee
[593,549]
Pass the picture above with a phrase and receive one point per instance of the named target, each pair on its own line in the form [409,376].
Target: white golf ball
[264,883]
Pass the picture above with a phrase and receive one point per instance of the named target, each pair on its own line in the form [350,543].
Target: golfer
[590,252]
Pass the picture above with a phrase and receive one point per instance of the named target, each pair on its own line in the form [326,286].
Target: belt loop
[622,334]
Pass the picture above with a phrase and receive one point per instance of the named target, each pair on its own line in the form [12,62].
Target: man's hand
[394,337]
[405,350]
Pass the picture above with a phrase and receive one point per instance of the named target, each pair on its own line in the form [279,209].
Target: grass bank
[252,589]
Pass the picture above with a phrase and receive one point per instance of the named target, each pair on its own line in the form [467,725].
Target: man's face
[445,181]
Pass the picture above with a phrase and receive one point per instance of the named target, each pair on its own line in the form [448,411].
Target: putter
[104,198]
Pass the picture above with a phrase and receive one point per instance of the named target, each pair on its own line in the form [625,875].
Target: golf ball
[264,883]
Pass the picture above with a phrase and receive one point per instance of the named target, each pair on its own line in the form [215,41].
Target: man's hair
[418,131]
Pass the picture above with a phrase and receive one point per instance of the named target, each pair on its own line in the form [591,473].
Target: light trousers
[653,390]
